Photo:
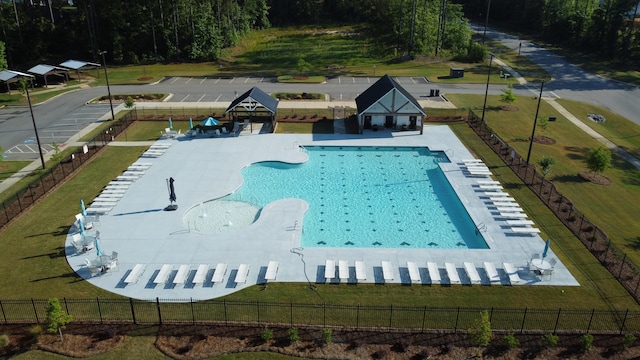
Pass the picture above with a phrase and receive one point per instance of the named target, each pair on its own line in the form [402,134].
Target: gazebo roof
[253,97]
[378,90]
[79,65]
[44,70]
[12,75]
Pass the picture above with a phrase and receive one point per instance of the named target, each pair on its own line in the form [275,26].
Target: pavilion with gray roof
[254,105]
[49,70]
[387,104]
[81,66]
[11,76]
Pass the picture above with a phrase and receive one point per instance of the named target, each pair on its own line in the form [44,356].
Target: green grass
[609,207]
[10,167]
[37,95]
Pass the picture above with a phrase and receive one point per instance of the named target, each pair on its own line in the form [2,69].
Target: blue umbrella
[170,124]
[97,244]
[546,248]
[82,208]
[81,224]
[210,121]
[190,123]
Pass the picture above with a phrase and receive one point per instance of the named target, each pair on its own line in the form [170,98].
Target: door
[388,122]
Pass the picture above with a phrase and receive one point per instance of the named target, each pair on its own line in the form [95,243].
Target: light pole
[35,128]
[533,132]
[486,21]
[486,90]
[106,76]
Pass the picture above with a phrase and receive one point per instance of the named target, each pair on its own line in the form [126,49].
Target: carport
[48,70]
[254,104]
[11,76]
[81,66]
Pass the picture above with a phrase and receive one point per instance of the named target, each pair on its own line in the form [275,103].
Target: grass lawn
[609,207]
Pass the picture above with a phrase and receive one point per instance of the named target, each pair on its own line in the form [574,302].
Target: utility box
[552,118]
[456,73]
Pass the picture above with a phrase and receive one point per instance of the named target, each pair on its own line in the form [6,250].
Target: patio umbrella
[81,224]
[97,244]
[172,191]
[210,121]
[170,124]
[546,248]
[190,123]
[82,208]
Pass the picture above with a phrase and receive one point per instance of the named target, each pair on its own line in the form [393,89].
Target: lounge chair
[242,274]
[201,274]
[520,222]
[488,182]
[490,187]
[525,230]
[387,271]
[219,272]
[509,209]
[513,215]
[163,274]
[272,271]
[512,272]
[414,272]
[452,273]
[553,262]
[343,269]
[224,130]
[181,275]
[492,272]
[472,272]
[135,274]
[361,273]
[216,133]
[330,269]
[434,272]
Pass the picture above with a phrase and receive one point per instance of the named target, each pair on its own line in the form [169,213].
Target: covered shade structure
[80,66]
[387,104]
[254,105]
[49,70]
[12,76]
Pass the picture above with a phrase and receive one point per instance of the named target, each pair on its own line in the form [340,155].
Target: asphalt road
[62,116]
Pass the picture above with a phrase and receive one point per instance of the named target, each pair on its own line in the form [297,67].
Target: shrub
[327,336]
[480,331]
[628,341]
[266,335]
[550,340]
[511,341]
[35,331]
[587,342]
[293,335]
[4,340]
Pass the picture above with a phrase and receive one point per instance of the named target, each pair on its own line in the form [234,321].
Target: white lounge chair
[502,199]
[505,204]
[135,274]
[219,272]
[387,271]
[472,161]
[181,275]
[492,272]
[452,273]
[224,130]
[361,273]
[490,187]
[434,272]
[525,230]
[520,222]
[242,274]
[216,133]
[512,272]
[163,274]
[513,215]
[488,182]
[414,272]
[497,193]
[330,269]
[201,274]
[272,271]
[472,272]
[509,209]
[343,269]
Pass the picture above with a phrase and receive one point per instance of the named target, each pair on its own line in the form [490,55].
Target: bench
[160,146]
[361,273]
[452,273]
[472,272]
[135,274]
[272,271]
[181,276]
[218,274]
[201,274]
[163,274]
[343,269]
[241,275]
[136,173]
[329,269]
[387,271]
[434,272]
[414,273]
[142,164]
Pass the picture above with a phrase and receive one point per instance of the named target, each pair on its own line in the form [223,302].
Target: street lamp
[533,132]
[486,91]
[106,76]
[486,21]
[35,128]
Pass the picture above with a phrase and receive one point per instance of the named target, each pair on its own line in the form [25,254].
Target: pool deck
[141,232]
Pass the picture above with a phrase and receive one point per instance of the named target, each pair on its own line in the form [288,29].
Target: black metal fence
[594,238]
[356,317]
[47,179]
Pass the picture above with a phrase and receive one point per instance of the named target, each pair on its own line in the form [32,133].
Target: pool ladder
[482,227]
[300,147]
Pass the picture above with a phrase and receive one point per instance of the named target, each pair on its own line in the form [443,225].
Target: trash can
[437,92]
[431,92]
[552,118]
[456,73]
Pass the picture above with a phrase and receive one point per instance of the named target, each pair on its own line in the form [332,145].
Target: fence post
[324,314]
[455,327]
[424,316]
[35,311]
[590,320]
[358,317]
[224,303]
[624,321]
[290,313]
[159,312]
[390,316]
[258,306]
[622,265]
[133,312]
[193,315]
[97,303]
[524,317]
[4,316]
[557,321]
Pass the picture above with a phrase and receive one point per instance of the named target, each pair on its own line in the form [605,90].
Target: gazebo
[387,104]
[254,105]
[48,70]
[79,66]
[11,76]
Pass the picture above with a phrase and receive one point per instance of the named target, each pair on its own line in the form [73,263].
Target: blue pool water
[386,197]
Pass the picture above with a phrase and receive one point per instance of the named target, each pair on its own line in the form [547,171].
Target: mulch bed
[544,140]
[206,341]
[595,178]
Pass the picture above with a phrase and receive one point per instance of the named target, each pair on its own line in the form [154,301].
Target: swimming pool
[372,197]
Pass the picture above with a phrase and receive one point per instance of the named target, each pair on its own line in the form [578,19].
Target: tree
[507,97]
[598,159]
[544,124]
[302,64]
[57,319]
[546,162]
[57,153]
[480,331]
[3,57]
[129,103]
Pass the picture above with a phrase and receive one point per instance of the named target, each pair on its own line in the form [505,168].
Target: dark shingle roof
[258,95]
[379,89]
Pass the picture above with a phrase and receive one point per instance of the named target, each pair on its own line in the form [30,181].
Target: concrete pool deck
[141,232]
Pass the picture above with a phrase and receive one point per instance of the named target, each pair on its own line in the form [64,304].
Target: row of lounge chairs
[199,276]
[156,150]
[116,189]
[475,167]
[343,270]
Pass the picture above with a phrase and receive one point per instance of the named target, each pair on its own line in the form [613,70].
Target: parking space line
[554,94]
[261,79]
[369,80]
[219,96]
[232,80]
[339,80]
[354,79]
[218,79]
[202,97]
[189,79]
[203,80]
[247,80]
[174,80]
[185,98]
